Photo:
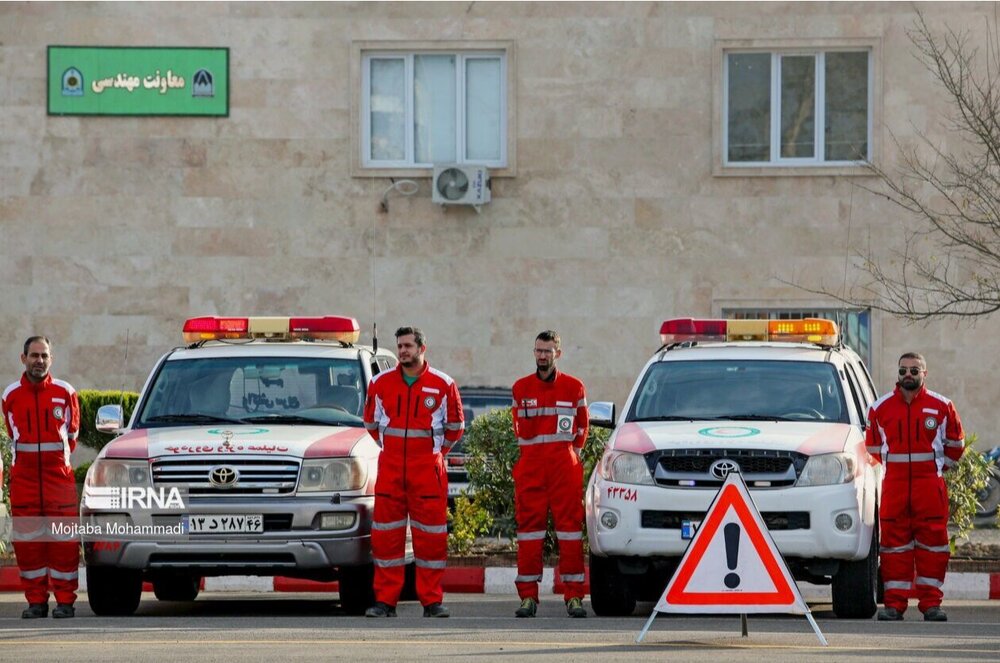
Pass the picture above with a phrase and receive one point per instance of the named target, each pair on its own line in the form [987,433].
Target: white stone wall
[613,221]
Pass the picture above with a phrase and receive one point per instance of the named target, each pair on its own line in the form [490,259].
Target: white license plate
[455,491]
[225,523]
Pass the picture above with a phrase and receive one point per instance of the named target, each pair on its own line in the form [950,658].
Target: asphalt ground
[241,628]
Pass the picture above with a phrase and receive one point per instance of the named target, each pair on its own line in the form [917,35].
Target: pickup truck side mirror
[602,414]
[109,419]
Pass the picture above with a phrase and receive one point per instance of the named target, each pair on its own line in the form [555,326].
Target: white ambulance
[245,455]
[782,402]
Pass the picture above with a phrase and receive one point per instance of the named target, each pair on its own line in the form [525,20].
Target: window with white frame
[797,108]
[424,108]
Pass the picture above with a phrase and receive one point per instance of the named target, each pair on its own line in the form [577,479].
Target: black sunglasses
[913,370]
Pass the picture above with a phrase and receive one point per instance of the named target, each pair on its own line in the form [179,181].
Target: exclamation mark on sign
[732,534]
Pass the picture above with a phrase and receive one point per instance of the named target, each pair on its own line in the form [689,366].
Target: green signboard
[103,80]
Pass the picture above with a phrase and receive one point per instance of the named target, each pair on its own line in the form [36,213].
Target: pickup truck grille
[693,468]
[270,476]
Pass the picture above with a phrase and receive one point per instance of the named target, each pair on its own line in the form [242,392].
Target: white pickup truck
[782,402]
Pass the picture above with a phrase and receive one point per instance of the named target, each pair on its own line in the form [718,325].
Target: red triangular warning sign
[732,564]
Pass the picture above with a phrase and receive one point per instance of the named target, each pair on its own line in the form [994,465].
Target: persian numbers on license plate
[224,523]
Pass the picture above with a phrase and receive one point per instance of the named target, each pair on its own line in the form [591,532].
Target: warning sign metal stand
[732,566]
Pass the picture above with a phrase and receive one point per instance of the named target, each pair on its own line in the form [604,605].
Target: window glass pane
[749,95]
[434,108]
[388,110]
[846,130]
[798,106]
[482,109]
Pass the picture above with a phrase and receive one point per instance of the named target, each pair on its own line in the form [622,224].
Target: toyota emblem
[223,476]
[720,469]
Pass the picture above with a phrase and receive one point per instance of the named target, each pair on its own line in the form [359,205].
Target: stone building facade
[613,209]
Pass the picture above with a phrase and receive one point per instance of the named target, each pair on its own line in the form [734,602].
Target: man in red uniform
[415,415]
[550,423]
[917,435]
[42,416]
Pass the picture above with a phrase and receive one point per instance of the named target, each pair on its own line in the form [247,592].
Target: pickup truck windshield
[747,390]
[280,390]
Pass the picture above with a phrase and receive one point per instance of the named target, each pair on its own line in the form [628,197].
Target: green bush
[469,521]
[964,481]
[90,401]
[492,450]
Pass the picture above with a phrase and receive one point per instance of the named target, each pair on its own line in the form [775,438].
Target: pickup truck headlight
[107,472]
[625,467]
[332,474]
[827,470]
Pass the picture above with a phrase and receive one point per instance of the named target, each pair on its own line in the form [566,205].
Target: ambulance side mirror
[602,414]
[109,419]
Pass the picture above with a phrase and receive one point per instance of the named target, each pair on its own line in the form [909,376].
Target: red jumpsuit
[915,442]
[43,421]
[416,425]
[550,419]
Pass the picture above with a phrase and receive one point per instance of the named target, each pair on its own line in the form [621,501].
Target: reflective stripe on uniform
[35,573]
[396,524]
[898,584]
[874,450]
[531,536]
[407,432]
[572,577]
[931,582]
[64,575]
[909,458]
[371,426]
[455,426]
[384,563]
[543,411]
[430,563]
[569,536]
[528,579]
[954,443]
[896,549]
[544,439]
[44,446]
[431,529]
[943,549]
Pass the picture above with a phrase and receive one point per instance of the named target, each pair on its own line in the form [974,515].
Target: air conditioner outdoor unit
[456,184]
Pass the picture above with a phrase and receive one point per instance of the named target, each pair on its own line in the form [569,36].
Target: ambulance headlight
[106,473]
[332,474]
[827,470]
[625,467]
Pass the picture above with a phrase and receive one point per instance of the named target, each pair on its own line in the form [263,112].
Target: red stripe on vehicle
[632,437]
[338,444]
[130,445]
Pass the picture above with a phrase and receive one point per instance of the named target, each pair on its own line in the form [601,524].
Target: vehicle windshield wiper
[751,417]
[665,417]
[283,419]
[193,418]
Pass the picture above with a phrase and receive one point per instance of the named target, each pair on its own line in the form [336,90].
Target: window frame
[363,52]
[776,165]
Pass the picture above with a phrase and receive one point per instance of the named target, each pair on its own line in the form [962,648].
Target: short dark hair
[418,334]
[913,355]
[549,335]
[35,339]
